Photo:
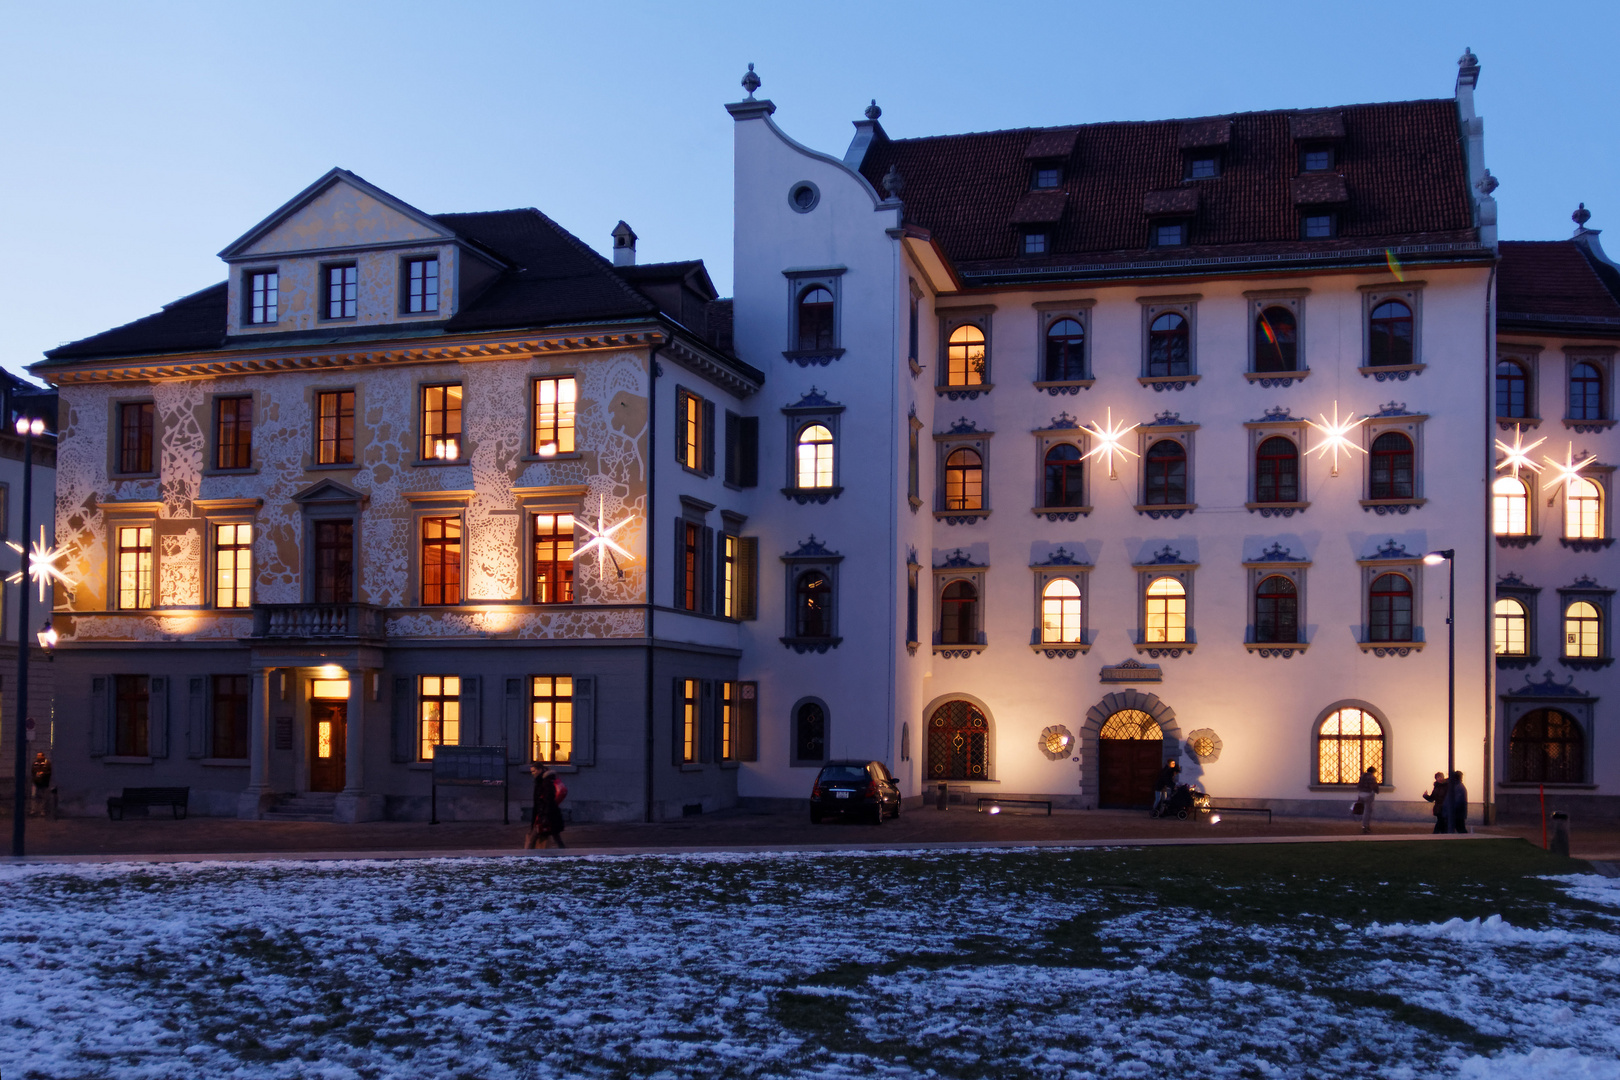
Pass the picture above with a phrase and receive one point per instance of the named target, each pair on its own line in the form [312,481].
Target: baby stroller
[1183,803]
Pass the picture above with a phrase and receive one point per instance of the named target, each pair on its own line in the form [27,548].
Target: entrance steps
[304,806]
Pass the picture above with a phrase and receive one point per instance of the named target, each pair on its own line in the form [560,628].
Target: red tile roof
[1402,165]
[1554,281]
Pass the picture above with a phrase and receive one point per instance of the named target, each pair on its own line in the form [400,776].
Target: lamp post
[27,428]
[1449,557]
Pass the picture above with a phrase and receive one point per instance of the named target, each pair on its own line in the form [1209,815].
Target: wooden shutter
[680,425]
[404,725]
[675,741]
[708,438]
[706,725]
[584,720]
[680,563]
[733,447]
[98,716]
[197,740]
[706,574]
[470,726]
[745,715]
[515,717]
[157,716]
[747,577]
[748,469]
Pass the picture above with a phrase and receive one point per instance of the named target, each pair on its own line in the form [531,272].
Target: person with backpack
[546,820]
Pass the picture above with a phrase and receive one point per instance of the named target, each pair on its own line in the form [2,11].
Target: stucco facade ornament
[1204,745]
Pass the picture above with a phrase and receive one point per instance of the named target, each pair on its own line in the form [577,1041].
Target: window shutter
[706,725]
[197,718]
[746,717]
[733,447]
[404,721]
[679,564]
[747,580]
[516,720]
[157,716]
[98,717]
[584,719]
[748,471]
[706,575]
[675,728]
[680,425]
[708,438]
[470,726]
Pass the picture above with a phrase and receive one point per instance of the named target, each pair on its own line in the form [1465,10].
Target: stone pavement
[161,836]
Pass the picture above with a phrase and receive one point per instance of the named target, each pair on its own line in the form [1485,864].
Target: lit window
[816,319]
[689,720]
[1349,742]
[1390,471]
[728,575]
[964,480]
[1060,612]
[1510,507]
[1389,607]
[1276,340]
[233,433]
[728,721]
[551,718]
[959,614]
[441,560]
[1035,243]
[440,714]
[441,422]
[134,567]
[1510,628]
[1582,631]
[263,296]
[342,291]
[1166,610]
[233,566]
[421,285]
[1169,346]
[554,404]
[815,453]
[1276,610]
[1065,351]
[1203,168]
[553,558]
[334,427]
[1317,226]
[1512,390]
[694,444]
[1170,235]
[1047,176]
[1583,510]
[1389,335]
[965,357]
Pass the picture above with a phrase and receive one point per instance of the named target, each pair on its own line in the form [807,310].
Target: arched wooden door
[1130,753]
[958,743]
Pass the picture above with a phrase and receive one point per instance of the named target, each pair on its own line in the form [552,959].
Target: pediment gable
[339,211]
[329,493]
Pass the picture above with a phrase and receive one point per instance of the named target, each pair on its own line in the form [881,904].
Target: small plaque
[1132,671]
[283,733]
[472,766]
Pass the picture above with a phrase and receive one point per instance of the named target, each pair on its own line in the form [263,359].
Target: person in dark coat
[1169,777]
[545,821]
[1457,804]
[1437,796]
[1367,790]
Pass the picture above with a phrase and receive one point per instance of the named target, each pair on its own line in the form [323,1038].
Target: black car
[863,788]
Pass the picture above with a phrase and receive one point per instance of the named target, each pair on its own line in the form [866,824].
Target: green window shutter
[516,721]
[404,713]
[197,732]
[584,720]
[157,716]
[98,716]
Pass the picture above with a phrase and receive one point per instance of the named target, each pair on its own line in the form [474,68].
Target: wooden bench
[175,798]
[1017,802]
[1266,810]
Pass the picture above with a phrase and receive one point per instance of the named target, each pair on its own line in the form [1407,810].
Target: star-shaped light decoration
[1517,456]
[41,564]
[1566,470]
[1108,441]
[1335,436]
[602,537]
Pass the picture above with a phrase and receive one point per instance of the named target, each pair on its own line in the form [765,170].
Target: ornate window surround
[1277,561]
[1277,421]
[1517,702]
[1185,305]
[328,500]
[1393,417]
[1587,589]
[964,433]
[1392,558]
[1166,425]
[1527,356]
[1061,564]
[1409,293]
[1063,429]
[959,567]
[1313,762]
[950,319]
[1603,477]
[812,408]
[1048,312]
[135,515]
[1294,300]
[1602,358]
[1512,587]
[1166,562]
[1533,510]
[801,279]
[811,554]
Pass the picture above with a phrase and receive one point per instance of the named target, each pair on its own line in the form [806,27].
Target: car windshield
[844,773]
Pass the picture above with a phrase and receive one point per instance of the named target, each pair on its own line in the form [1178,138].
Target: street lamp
[27,427]
[1449,557]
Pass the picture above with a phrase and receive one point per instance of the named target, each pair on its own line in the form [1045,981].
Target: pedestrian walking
[1456,804]
[1169,778]
[1367,791]
[1437,796]
[545,818]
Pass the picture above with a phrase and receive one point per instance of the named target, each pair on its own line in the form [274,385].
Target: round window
[804,196]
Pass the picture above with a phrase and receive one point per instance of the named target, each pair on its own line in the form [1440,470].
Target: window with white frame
[1165,603]
[1060,603]
[962,467]
[965,351]
[1510,506]
[263,297]
[421,293]
[1583,509]
[1510,627]
[812,450]
[1584,613]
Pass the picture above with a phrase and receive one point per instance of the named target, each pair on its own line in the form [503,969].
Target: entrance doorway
[1130,753]
[328,743]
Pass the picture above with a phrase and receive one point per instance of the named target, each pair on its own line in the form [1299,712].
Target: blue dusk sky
[141,139]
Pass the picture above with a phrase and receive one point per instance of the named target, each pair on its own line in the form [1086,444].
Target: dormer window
[1047,177]
[1035,243]
[342,291]
[1316,159]
[263,293]
[1203,167]
[1319,226]
[1169,234]
[421,286]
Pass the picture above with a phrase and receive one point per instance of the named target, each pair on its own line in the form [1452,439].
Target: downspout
[652,525]
[1489,802]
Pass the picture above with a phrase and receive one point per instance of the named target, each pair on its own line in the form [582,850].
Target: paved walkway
[161,838]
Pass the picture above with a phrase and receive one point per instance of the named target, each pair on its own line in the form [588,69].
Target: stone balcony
[318,621]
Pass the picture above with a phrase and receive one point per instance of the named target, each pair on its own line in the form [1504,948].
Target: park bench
[173,797]
[1016,802]
[1266,810]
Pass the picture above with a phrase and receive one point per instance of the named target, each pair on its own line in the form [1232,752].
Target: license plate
[840,794]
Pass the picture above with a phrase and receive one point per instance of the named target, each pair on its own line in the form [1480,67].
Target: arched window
[1585,392]
[1166,474]
[958,743]
[1166,610]
[959,614]
[1389,608]
[1389,333]
[964,357]
[1276,346]
[1065,351]
[815,457]
[1583,510]
[1276,610]
[810,733]
[1510,628]
[1510,507]
[1169,346]
[812,605]
[1390,473]
[1276,471]
[1060,611]
[1348,742]
[1547,747]
[964,480]
[1512,389]
[1583,631]
[816,319]
[1063,473]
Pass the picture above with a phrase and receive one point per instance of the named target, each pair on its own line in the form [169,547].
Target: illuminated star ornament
[602,537]
[1108,441]
[1567,470]
[41,564]
[1517,456]
[1335,436]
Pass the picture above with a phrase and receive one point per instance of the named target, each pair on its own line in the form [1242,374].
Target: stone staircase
[304,806]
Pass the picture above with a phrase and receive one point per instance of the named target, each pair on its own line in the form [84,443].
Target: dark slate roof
[1402,165]
[1548,282]
[720,319]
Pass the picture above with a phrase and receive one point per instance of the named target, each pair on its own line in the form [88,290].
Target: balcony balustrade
[305,621]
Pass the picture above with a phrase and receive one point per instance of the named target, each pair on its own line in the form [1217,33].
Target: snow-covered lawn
[952,964]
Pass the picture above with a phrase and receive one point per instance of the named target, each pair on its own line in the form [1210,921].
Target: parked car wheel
[877,814]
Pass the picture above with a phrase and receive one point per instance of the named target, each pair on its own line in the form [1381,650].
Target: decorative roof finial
[893,182]
[1488,183]
[1467,59]
[1581,216]
[872,110]
[750,82]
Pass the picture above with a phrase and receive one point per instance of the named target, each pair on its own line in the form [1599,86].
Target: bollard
[1560,834]
[940,805]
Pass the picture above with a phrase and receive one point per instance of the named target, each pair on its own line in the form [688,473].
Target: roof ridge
[594,256]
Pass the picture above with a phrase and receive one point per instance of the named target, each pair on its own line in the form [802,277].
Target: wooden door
[1127,769]
[328,742]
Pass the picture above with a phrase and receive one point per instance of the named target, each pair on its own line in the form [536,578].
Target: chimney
[624,245]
